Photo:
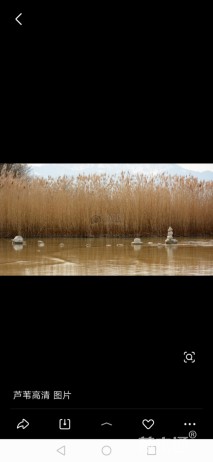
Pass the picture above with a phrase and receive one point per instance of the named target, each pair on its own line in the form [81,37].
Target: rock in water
[170,239]
[137,241]
[18,240]
[41,244]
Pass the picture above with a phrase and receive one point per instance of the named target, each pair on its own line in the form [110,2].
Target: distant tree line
[17,170]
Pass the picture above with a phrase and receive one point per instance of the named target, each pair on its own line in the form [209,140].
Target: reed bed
[105,205]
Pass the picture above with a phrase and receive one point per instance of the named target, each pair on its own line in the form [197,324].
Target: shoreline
[108,236]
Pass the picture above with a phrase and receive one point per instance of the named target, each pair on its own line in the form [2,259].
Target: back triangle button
[62,450]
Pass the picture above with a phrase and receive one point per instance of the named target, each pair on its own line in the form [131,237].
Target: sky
[196,167]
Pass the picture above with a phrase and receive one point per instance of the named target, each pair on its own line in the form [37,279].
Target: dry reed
[105,205]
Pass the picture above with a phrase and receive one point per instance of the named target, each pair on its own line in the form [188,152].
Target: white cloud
[198,167]
[36,165]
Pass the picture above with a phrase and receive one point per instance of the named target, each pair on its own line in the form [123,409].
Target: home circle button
[106,450]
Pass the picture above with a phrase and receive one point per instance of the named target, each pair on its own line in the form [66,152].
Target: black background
[104,87]
[116,346]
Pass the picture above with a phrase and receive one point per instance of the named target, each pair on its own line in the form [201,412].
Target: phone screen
[105,259]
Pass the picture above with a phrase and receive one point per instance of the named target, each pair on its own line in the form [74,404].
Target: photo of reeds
[102,205]
[101,223]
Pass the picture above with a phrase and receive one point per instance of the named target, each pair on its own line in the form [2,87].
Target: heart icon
[148,424]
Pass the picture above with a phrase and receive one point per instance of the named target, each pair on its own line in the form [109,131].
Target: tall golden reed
[105,205]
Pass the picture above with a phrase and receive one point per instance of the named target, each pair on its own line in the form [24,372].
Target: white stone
[18,240]
[137,241]
[170,239]
[41,244]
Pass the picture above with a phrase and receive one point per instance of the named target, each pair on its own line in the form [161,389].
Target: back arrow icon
[62,450]
[23,424]
[17,19]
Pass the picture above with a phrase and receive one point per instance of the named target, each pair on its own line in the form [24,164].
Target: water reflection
[17,247]
[106,257]
[170,249]
[137,247]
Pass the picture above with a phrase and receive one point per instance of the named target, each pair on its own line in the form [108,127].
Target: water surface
[103,256]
